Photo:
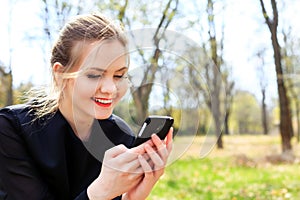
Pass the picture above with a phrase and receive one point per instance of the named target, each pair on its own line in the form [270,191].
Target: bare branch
[265,14]
[275,13]
[121,15]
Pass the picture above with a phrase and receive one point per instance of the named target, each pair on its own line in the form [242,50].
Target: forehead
[104,54]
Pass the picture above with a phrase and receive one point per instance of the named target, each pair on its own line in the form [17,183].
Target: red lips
[103,102]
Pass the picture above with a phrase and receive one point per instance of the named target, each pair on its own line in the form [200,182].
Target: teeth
[103,101]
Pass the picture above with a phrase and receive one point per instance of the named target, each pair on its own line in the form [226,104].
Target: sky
[25,56]
[245,33]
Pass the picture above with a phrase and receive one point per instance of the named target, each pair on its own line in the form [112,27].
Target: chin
[103,116]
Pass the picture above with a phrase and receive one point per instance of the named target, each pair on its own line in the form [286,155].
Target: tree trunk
[226,123]
[141,97]
[215,107]
[298,121]
[216,79]
[7,79]
[228,101]
[9,92]
[142,94]
[264,112]
[286,128]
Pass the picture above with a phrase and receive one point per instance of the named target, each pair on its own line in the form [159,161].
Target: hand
[120,172]
[153,163]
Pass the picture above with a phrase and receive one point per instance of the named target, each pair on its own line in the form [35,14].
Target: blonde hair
[67,51]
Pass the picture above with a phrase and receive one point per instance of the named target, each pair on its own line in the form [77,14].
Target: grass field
[240,171]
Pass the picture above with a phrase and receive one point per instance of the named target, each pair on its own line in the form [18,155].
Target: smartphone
[154,124]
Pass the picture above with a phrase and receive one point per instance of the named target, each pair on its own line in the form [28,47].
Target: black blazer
[44,159]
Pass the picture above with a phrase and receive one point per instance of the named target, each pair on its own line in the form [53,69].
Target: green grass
[220,177]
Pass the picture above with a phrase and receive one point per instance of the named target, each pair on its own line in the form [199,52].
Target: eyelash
[120,76]
[92,76]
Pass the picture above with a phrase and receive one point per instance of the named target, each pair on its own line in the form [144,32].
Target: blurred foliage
[21,92]
[5,80]
[246,114]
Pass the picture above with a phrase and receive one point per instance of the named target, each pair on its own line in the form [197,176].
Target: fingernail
[154,136]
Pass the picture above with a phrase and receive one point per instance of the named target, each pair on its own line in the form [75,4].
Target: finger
[139,170]
[144,164]
[141,148]
[157,141]
[160,147]
[169,140]
[146,156]
[138,149]
[126,156]
[155,157]
[132,167]
[148,159]
[150,162]
[115,151]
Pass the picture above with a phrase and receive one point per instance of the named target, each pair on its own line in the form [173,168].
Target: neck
[81,125]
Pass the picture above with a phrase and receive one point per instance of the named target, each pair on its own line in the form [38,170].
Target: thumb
[115,151]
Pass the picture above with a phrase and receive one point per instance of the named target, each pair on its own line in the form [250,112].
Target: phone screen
[159,125]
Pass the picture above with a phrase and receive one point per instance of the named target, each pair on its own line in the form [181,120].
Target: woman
[68,144]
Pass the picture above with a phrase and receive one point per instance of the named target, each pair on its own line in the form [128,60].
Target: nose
[107,85]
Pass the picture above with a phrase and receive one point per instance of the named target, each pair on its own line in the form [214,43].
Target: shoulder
[11,130]
[14,115]
[22,118]
[14,109]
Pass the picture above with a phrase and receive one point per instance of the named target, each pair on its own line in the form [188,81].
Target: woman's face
[102,81]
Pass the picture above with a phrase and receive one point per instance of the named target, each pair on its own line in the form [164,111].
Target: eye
[94,76]
[120,76]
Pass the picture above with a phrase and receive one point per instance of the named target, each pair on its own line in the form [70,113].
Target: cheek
[83,89]
[122,90]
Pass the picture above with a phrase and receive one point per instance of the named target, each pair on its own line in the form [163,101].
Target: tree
[286,128]
[142,93]
[54,15]
[214,70]
[6,86]
[2,86]
[263,85]
[244,117]
[229,88]
[291,60]
[7,74]
[228,84]
[214,79]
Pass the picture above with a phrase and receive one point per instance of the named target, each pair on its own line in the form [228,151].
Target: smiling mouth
[103,102]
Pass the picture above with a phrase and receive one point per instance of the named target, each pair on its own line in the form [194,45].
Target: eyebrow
[103,70]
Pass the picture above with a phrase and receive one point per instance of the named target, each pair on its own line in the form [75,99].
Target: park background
[237,133]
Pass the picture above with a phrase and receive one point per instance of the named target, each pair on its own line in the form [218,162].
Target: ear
[57,67]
